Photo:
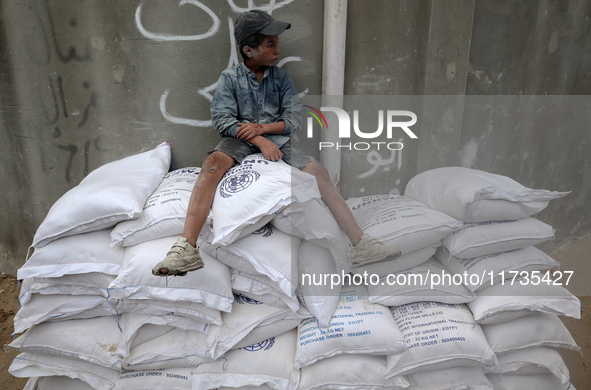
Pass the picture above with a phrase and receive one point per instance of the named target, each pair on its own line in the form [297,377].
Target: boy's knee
[216,163]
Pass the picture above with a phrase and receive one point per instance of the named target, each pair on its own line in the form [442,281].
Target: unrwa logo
[392,118]
[237,182]
[265,231]
[262,346]
[243,299]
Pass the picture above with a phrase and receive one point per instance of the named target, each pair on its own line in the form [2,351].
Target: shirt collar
[250,73]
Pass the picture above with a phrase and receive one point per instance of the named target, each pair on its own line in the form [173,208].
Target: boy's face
[267,54]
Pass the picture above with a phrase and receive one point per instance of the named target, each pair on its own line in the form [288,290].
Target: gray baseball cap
[256,21]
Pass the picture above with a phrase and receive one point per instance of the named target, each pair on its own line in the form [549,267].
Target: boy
[255,109]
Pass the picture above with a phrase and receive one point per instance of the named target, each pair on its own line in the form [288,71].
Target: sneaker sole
[182,271]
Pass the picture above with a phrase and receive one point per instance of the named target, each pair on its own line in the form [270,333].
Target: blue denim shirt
[240,98]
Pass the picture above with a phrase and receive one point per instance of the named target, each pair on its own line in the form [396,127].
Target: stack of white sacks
[276,305]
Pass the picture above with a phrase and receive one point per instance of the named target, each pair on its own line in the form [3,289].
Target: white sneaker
[369,251]
[182,258]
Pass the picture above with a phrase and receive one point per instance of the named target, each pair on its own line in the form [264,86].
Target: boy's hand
[247,131]
[268,148]
[271,151]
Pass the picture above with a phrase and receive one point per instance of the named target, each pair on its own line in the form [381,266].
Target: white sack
[401,222]
[349,372]
[312,221]
[41,308]
[504,302]
[267,251]
[149,332]
[235,262]
[109,194]
[77,254]
[453,378]
[261,387]
[521,382]
[484,238]
[262,288]
[93,283]
[267,363]
[491,269]
[246,315]
[210,286]
[255,189]
[472,195]
[56,382]
[161,379]
[186,362]
[430,281]
[267,330]
[535,330]
[27,365]
[532,361]
[176,348]
[99,311]
[320,299]
[164,212]
[402,263]
[357,327]
[438,336]
[137,327]
[95,340]
[157,307]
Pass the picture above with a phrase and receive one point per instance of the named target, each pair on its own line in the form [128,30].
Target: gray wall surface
[87,82]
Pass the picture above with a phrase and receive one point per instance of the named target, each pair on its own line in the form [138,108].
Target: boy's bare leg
[366,250]
[335,202]
[214,167]
[184,256]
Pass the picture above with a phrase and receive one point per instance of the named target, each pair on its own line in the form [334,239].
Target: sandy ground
[9,291]
[575,256]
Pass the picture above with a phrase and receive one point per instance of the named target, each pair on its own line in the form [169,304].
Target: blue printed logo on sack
[262,346]
[237,182]
[265,231]
[241,299]
[183,171]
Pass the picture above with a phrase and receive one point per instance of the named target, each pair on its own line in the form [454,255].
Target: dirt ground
[9,291]
[575,256]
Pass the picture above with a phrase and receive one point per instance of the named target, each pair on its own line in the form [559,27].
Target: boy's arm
[224,109]
[246,131]
[291,106]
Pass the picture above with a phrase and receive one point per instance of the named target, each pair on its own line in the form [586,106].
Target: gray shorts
[238,149]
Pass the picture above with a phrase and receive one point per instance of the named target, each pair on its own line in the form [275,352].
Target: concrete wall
[504,87]
[88,82]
